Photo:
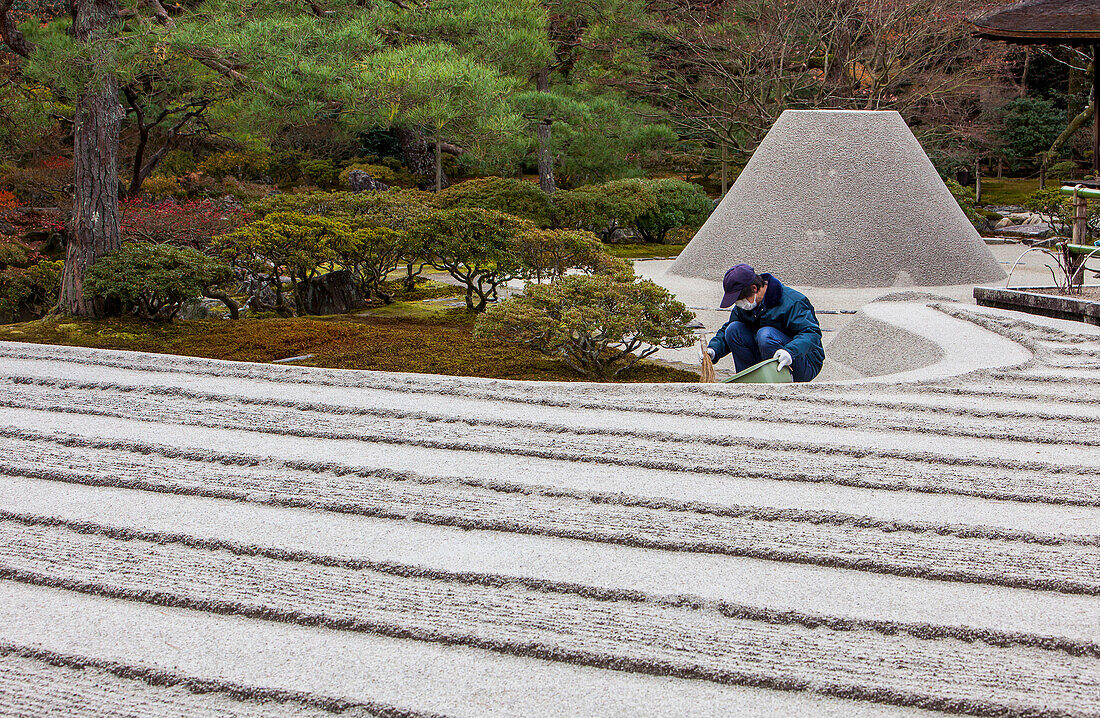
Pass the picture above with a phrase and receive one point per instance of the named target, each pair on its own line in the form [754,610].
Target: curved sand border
[926,342]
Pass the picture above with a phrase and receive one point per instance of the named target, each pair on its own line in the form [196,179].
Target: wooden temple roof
[1043,21]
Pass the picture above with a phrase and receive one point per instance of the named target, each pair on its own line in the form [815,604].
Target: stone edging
[1040,300]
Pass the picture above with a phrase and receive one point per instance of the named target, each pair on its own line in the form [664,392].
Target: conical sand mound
[836,198]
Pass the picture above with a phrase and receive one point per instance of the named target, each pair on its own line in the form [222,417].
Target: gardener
[767,320]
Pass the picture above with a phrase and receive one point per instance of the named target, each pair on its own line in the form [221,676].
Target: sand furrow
[454,680]
[40,684]
[660,398]
[209,452]
[347,487]
[1069,564]
[373,394]
[1044,427]
[290,383]
[638,636]
[884,488]
[663,451]
[765,588]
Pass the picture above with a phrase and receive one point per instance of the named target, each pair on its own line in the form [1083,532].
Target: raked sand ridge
[189,537]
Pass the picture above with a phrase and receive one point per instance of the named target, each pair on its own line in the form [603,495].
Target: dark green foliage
[679,204]
[154,280]
[1030,126]
[511,196]
[322,173]
[285,167]
[282,244]
[29,291]
[604,208]
[478,247]
[14,254]
[1055,208]
[242,165]
[965,197]
[651,207]
[597,325]
[382,143]
[550,253]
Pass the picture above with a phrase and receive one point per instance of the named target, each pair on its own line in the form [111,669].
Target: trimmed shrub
[550,253]
[281,244]
[383,173]
[242,165]
[478,247]
[319,172]
[679,204]
[162,187]
[14,253]
[29,291]
[599,326]
[602,209]
[371,253]
[153,280]
[397,209]
[511,196]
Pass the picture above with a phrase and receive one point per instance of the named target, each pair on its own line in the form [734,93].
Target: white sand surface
[780,585]
[425,677]
[427,544]
[592,477]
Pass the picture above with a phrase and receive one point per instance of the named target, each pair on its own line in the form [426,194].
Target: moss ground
[436,343]
[1005,191]
[644,251]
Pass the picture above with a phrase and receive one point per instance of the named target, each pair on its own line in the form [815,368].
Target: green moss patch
[440,343]
[1001,192]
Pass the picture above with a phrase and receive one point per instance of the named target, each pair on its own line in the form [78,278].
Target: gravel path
[257,539]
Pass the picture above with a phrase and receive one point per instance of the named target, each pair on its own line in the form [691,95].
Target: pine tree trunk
[438,163]
[546,152]
[418,156]
[95,220]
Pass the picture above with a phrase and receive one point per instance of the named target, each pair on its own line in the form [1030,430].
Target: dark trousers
[750,347]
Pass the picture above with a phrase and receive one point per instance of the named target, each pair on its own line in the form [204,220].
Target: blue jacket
[787,310]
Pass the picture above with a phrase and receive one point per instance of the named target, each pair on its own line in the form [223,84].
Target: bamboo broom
[706,371]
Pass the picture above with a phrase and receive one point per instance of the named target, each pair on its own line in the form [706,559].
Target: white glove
[784,358]
[708,350]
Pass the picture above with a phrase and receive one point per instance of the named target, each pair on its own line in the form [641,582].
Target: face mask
[745,304]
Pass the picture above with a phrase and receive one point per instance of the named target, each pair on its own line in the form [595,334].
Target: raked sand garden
[184,536]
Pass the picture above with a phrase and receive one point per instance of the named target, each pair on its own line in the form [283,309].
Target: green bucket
[766,372]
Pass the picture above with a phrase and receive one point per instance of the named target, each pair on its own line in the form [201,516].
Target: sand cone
[835,198]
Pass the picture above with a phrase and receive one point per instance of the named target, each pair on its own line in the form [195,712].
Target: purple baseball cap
[737,280]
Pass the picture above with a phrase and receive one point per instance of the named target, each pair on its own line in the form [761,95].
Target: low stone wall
[1044,301]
